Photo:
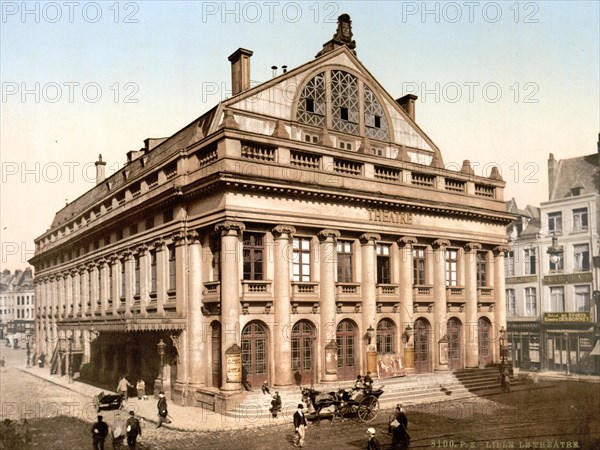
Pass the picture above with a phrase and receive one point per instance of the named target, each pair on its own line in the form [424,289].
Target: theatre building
[305,227]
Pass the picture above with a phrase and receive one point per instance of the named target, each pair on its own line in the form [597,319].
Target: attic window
[343,113]
[575,191]
[310,105]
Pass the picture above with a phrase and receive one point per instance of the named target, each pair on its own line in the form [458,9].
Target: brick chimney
[552,174]
[407,103]
[100,170]
[240,70]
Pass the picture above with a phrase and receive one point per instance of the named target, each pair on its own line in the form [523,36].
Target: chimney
[407,103]
[240,70]
[552,173]
[100,170]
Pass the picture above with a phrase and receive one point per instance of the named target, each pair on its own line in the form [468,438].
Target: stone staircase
[409,390]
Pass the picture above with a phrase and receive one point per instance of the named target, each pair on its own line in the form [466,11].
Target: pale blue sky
[172,53]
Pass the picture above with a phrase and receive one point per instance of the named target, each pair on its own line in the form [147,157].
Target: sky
[499,83]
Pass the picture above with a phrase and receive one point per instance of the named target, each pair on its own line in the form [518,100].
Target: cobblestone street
[557,414]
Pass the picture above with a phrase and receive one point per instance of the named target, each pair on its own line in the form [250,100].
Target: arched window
[312,108]
[385,337]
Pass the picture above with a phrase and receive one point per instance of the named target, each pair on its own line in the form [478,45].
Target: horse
[320,400]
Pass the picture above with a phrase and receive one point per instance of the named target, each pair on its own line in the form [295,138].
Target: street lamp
[502,339]
[28,336]
[567,368]
[555,251]
[370,333]
[70,359]
[161,351]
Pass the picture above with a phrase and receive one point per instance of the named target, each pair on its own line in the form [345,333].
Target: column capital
[114,259]
[280,230]
[440,243]
[230,225]
[366,238]
[141,249]
[74,271]
[470,246]
[193,237]
[159,244]
[328,233]
[102,262]
[128,254]
[501,250]
[407,241]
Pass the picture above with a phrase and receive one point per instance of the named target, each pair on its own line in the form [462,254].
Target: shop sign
[559,317]
[519,280]
[585,344]
[523,326]
[569,278]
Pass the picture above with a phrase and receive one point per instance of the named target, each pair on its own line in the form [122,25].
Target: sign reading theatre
[381,215]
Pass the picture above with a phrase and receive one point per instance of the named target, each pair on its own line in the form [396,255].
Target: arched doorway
[303,338]
[254,353]
[421,333]
[215,340]
[483,343]
[346,340]
[385,337]
[454,352]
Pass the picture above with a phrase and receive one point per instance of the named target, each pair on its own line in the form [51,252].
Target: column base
[230,387]
[329,378]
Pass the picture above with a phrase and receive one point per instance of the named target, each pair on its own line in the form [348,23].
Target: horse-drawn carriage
[359,402]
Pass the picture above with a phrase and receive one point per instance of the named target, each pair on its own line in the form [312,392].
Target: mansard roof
[581,172]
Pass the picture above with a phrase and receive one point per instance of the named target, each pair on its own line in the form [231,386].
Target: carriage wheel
[97,403]
[368,408]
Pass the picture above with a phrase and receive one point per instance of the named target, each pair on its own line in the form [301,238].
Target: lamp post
[161,351]
[409,356]
[28,337]
[567,346]
[370,333]
[555,251]
[502,340]
[70,356]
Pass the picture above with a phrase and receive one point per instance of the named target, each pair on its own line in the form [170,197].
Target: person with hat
[162,409]
[400,436]
[372,443]
[133,430]
[275,404]
[99,433]
[300,425]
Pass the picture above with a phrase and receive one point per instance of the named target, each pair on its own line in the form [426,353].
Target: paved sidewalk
[547,375]
[184,418]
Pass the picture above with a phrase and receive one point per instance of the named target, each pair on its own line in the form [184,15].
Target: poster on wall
[390,365]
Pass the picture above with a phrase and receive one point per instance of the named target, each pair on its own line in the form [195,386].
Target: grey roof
[582,172]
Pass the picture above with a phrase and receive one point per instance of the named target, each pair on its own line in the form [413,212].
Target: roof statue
[343,36]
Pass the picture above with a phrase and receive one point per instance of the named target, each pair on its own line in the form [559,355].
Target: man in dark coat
[300,425]
[99,433]
[162,409]
[133,430]
[400,436]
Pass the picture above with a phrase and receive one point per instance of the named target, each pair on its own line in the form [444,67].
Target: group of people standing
[124,385]
[133,429]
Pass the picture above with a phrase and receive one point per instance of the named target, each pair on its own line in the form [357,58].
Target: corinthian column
[231,233]
[369,291]
[439,306]
[194,323]
[472,337]
[281,289]
[499,289]
[328,257]
[406,295]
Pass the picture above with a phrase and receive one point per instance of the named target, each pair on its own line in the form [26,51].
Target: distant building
[552,272]
[294,233]
[17,303]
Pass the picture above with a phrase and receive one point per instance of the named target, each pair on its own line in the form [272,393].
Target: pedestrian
[504,378]
[2,362]
[265,388]
[275,405]
[245,383]
[358,384]
[162,409]
[42,360]
[368,382]
[117,437]
[300,425]
[372,443]
[399,428]
[133,430]
[99,433]
[140,386]
[123,386]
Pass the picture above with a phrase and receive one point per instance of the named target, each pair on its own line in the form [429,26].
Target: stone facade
[304,221]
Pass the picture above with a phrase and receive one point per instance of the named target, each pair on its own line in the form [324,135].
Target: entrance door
[454,332]
[484,350]
[303,336]
[254,354]
[346,341]
[216,353]
[422,346]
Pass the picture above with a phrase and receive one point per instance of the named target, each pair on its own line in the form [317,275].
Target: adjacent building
[552,272]
[17,306]
[303,230]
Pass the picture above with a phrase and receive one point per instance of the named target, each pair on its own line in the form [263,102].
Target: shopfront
[524,345]
[569,341]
